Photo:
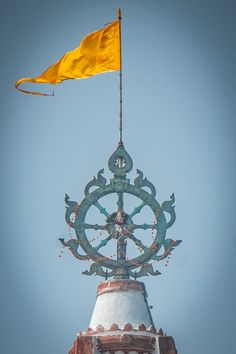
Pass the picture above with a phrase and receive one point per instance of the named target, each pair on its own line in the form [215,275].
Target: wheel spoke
[95,227]
[103,242]
[143,226]
[101,209]
[120,202]
[137,209]
[137,242]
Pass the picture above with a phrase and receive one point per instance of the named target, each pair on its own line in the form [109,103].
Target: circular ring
[140,193]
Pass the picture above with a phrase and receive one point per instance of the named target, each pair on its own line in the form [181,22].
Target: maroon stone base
[167,345]
[82,345]
[125,343]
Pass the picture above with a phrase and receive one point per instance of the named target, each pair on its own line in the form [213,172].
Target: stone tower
[122,323]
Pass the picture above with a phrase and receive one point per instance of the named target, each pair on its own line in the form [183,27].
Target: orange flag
[99,52]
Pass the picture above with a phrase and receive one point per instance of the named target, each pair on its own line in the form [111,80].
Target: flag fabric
[99,52]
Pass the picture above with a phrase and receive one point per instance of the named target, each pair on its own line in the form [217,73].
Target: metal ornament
[119,225]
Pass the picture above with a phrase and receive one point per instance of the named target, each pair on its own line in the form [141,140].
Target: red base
[125,343]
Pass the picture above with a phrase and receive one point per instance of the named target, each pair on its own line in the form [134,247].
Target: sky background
[179,128]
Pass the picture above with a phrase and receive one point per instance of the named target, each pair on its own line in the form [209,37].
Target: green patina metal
[119,225]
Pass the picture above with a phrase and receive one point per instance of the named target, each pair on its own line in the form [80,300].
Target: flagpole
[120,75]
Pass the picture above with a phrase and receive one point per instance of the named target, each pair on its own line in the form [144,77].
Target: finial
[120,163]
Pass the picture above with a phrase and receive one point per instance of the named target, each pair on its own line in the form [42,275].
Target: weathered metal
[119,225]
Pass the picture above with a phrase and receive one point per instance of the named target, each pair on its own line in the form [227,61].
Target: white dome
[119,302]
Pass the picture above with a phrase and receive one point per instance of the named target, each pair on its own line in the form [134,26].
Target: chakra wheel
[119,225]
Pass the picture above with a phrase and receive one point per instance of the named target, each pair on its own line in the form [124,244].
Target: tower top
[125,301]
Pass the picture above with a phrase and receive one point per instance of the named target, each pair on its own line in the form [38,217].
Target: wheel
[119,224]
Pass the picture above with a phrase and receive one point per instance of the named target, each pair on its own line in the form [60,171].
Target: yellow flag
[99,52]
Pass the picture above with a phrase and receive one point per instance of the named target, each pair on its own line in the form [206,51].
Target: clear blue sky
[179,128]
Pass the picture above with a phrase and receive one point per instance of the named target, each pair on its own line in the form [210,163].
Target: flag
[99,52]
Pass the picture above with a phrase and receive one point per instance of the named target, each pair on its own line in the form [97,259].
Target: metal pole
[120,75]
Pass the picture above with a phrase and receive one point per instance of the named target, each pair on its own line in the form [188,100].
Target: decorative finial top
[120,163]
